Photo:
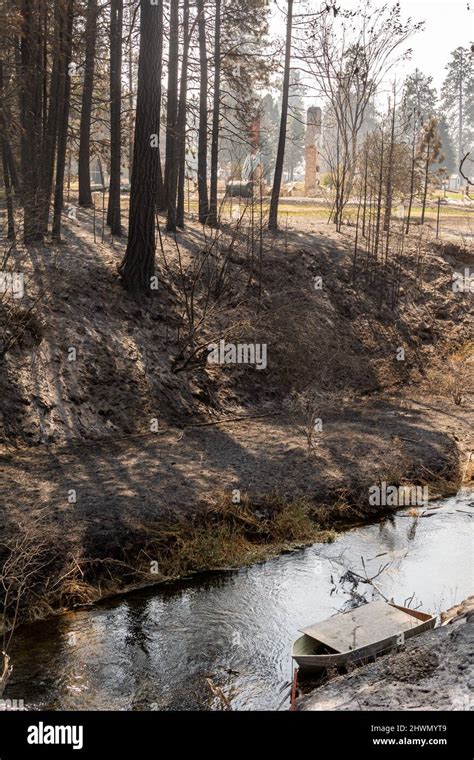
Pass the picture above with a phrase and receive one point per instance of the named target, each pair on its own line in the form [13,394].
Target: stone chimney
[312,141]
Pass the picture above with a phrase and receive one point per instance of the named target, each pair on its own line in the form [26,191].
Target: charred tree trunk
[171,160]
[160,192]
[183,88]
[461,109]
[6,174]
[213,220]
[273,217]
[85,194]
[379,198]
[44,64]
[12,169]
[31,120]
[426,181]
[202,138]
[51,132]
[389,186]
[130,93]
[116,26]
[366,170]
[412,175]
[63,116]
[138,265]
[8,195]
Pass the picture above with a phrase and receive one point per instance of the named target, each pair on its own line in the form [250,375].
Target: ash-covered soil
[90,362]
[99,450]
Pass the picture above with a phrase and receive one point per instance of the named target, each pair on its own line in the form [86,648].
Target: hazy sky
[448,24]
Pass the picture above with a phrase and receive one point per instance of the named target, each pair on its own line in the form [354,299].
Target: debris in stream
[352,577]
[219,694]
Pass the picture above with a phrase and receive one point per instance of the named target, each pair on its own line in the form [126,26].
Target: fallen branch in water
[373,577]
[355,578]
[219,694]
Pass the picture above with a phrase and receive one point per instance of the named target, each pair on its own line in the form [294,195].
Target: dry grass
[231,535]
[225,535]
[453,377]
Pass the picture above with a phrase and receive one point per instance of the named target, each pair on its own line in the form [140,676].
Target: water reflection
[158,650]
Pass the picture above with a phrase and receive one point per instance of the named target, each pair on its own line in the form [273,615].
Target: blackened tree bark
[116,27]
[202,137]
[131,12]
[412,173]
[389,185]
[12,166]
[6,174]
[212,219]
[44,67]
[12,169]
[31,96]
[171,160]
[160,185]
[183,89]
[8,194]
[85,195]
[379,194]
[273,216]
[51,121]
[7,153]
[67,8]
[138,265]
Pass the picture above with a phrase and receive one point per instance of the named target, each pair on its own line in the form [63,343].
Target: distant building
[453,183]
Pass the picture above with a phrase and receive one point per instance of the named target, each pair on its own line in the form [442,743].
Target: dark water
[155,650]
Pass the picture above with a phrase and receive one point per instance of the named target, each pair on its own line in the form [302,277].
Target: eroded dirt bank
[100,503]
[161,506]
[434,671]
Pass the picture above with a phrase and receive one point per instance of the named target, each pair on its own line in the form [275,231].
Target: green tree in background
[419,100]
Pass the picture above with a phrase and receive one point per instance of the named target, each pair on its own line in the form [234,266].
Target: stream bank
[93,503]
[159,507]
[160,649]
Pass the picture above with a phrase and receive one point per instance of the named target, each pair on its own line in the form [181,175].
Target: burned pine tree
[85,195]
[50,131]
[31,111]
[138,265]
[273,217]
[429,153]
[160,192]
[202,138]
[212,219]
[171,160]
[183,86]
[116,26]
[5,168]
[64,96]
